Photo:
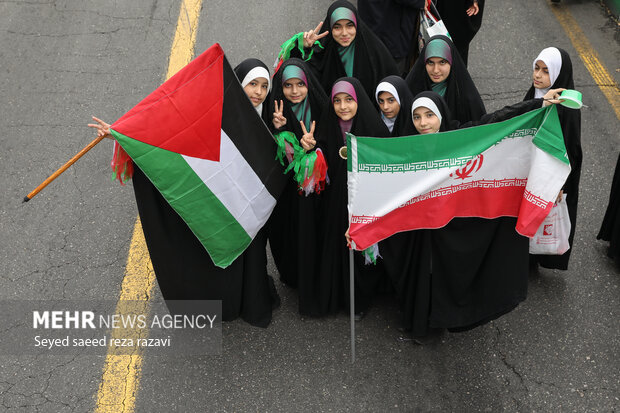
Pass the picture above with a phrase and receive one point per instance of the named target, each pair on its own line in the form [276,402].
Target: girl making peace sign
[297,101]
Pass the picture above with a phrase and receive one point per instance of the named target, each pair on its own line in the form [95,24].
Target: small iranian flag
[513,168]
[200,142]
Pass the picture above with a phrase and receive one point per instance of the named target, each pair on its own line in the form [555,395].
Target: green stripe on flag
[550,137]
[214,226]
[455,148]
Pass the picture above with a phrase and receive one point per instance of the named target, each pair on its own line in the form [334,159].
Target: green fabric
[433,151]
[281,139]
[302,163]
[438,48]
[304,166]
[303,113]
[371,254]
[347,56]
[289,45]
[440,88]
[342,13]
[217,230]
[550,137]
[293,72]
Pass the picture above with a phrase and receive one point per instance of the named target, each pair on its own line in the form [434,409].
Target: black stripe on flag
[250,135]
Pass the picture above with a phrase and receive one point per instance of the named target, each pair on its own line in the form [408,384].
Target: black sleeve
[507,112]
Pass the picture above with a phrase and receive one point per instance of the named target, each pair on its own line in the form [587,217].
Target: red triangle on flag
[184,114]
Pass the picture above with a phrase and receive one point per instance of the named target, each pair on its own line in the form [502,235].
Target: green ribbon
[289,45]
[371,253]
[302,161]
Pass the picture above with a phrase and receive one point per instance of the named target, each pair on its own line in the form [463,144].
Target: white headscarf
[255,73]
[387,87]
[427,103]
[552,57]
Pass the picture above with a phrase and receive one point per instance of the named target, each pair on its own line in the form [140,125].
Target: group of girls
[342,80]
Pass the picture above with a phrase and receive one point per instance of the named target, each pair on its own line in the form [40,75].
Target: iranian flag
[513,168]
[200,142]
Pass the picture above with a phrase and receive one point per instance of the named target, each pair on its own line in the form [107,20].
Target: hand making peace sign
[307,141]
[312,36]
[278,116]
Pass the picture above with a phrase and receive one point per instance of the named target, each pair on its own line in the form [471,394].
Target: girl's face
[257,90]
[295,90]
[425,120]
[345,106]
[388,104]
[541,75]
[343,32]
[438,69]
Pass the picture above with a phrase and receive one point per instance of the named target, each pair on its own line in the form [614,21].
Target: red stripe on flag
[438,211]
[532,213]
[184,114]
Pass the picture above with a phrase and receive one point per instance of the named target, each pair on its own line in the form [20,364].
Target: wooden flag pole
[62,169]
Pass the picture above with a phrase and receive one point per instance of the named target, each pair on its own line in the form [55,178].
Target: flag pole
[62,169]
[352,300]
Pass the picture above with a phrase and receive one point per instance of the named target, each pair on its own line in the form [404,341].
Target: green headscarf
[347,54]
[302,109]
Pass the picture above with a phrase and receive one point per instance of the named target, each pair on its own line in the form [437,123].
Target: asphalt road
[62,61]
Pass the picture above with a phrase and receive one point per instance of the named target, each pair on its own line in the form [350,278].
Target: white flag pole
[352,300]
[351,150]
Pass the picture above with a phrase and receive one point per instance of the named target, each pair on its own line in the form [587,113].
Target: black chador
[333,269]
[570,120]
[294,224]
[458,89]
[366,59]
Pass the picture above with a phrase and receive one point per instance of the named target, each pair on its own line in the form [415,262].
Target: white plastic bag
[552,235]
[431,26]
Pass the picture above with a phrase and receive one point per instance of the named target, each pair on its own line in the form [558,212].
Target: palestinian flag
[513,168]
[200,142]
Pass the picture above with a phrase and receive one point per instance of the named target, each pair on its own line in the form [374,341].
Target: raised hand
[103,129]
[313,35]
[278,116]
[307,141]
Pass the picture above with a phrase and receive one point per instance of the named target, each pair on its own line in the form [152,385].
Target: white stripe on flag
[380,193]
[236,185]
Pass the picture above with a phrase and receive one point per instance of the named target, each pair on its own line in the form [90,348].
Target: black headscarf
[372,60]
[570,120]
[241,70]
[403,126]
[461,95]
[316,97]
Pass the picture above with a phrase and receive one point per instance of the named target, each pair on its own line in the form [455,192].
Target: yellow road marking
[589,56]
[121,373]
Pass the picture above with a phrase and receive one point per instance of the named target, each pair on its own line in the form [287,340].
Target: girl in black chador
[552,70]
[441,69]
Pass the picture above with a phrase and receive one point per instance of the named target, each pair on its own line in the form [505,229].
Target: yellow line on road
[120,380]
[588,55]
